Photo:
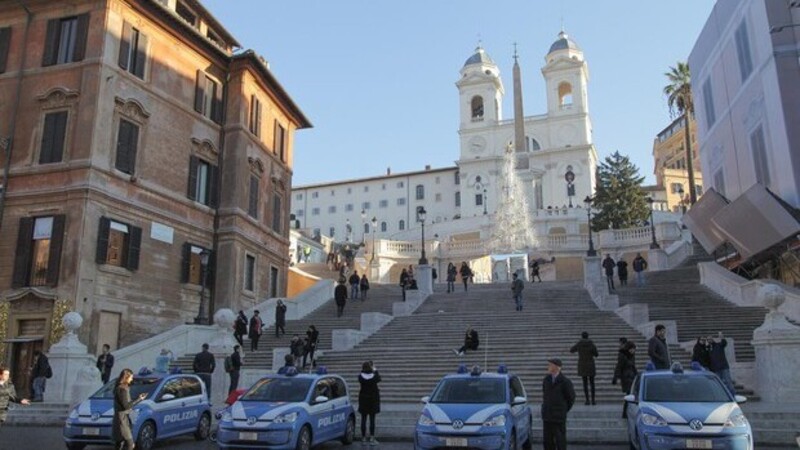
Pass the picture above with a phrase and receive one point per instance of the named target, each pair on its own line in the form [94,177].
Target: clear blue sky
[377,77]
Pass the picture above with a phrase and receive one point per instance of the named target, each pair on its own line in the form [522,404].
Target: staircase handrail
[743,292]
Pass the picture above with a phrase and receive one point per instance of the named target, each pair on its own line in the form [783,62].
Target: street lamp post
[374,226]
[683,203]
[588,200]
[202,316]
[423,261]
[654,244]
[363,219]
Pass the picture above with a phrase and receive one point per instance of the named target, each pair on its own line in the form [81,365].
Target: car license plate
[248,436]
[91,432]
[455,442]
[699,443]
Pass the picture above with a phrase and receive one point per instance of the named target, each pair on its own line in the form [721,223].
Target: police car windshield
[470,390]
[278,390]
[138,386]
[681,388]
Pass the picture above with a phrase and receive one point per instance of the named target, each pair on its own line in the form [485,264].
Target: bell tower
[480,92]
[566,75]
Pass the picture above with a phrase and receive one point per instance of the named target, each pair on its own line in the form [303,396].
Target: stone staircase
[37,414]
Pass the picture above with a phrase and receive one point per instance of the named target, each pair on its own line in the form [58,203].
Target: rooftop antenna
[515,52]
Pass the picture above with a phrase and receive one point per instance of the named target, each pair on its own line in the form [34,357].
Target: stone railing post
[777,344]
[75,374]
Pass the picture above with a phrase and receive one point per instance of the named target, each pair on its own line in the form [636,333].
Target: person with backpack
[363,285]
[40,372]
[639,266]
[233,366]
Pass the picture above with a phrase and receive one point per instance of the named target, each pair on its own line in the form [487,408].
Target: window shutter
[213,186]
[252,118]
[134,246]
[5,42]
[22,263]
[51,43]
[258,118]
[216,104]
[59,133]
[81,38]
[123,146]
[141,56]
[199,91]
[252,207]
[133,139]
[45,154]
[102,240]
[125,45]
[56,243]
[192,190]
[186,262]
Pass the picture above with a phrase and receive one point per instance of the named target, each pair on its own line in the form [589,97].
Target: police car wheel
[203,427]
[349,431]
[304,439]
[147,436]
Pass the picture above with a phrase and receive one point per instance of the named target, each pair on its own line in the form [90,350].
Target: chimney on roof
[388,171]
[427,167]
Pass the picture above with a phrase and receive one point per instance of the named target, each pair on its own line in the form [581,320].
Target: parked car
[476,410]
[679,408]
[176,404]
[289,411]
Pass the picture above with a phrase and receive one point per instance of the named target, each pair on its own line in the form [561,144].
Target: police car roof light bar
[697,367]
[476,371]
[144,371]
[676,368]
[502,369]
[322,370]
[291,371]
[462,368]
[649,367]
[176,371]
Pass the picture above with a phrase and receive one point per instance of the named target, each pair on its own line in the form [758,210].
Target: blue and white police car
[475,410]
[679,408]
[176,404]
[289,411]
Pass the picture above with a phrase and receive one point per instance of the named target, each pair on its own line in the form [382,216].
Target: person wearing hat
[558,396]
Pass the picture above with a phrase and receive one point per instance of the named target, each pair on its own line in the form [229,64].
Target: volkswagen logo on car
[458,424]
[696,425]
[251,420]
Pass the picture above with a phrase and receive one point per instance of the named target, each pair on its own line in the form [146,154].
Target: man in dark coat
[639,266]
[657,349]
[104,363]
[369,400]
[587,352]
[254,332]
[701,352]
[236,367]
[340,296]
[354,281]
[203,366]
[558,396]
[625,370]
[719,362]
[608,265]
[8,394]
[622,272]
[516,287]
[240,327]
[280,318]
[40,372]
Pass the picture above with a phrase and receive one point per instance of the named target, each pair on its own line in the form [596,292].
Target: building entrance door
[23,349]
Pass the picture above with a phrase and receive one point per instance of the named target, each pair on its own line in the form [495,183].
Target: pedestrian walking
[625,371]
[608,265]
[701,352]
[657,349]
[40,372]
[404,282]
[8,394]
[466,274]
[104,363]
[622,272]
[297,348]
[340,296]
[354,282]
[587,352]
[254,330]
[535,271]
[451,277]
[719,362]
[471,342]
[280,318]
[639,266]
[558,396]
[363,287]
[123,406]
[163,360]
[203,366]
[240,328]
[312,340]
[233,365]
[369,400]
[516,287]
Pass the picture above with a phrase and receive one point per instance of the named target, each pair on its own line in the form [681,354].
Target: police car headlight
[73,414]
[496,421]
[286,418]
[225,416]
[652,420]
[736,420]
[425,420]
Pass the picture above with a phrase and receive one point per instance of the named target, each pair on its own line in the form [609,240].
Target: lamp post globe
[202,316]
[588,200]
[421,213]
[654,244]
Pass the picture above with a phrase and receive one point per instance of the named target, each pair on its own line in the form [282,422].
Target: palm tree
[680,102]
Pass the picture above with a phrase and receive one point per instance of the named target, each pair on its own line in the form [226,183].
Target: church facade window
[477,108]
[564,95]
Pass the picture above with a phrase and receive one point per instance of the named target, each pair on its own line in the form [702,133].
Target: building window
[476,106]
[401,225]
[383,204]
[299,213]
[65,41]
[254,121]
[53,137]
[478,199]
[127,143]
[420,192]
[299,196]
[565,95]
[5,42]
[333,193]
[458,199]
[273,281]
[331,209]
[400,185]
[438,180]
[252,197]
[366,188]
[277,213]
[457,178]
[384,227]
[438,197]
[280,141]
[208,97]
[118,244]
[708,103]
[743,51]
[349,190]
[676,188]
[315,194]
[133,50]
[316,233]
[532,144]
[383,186]
[760,161]
[366,205]
[719,181]
[38,253]
[249,273]
[348,207]
[192,270]
[186,14]
[401,201]
[314,211]
[331,231]
[202,182]
[366,228]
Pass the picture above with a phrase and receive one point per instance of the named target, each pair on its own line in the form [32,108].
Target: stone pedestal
[777,345]
[375,272]
[594,280]
[424,276]
[75,374]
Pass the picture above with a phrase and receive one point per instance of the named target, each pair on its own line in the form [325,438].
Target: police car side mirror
[321,399]
[426,399]
[519,400]
[166,397]
[740,399]
[630,398]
